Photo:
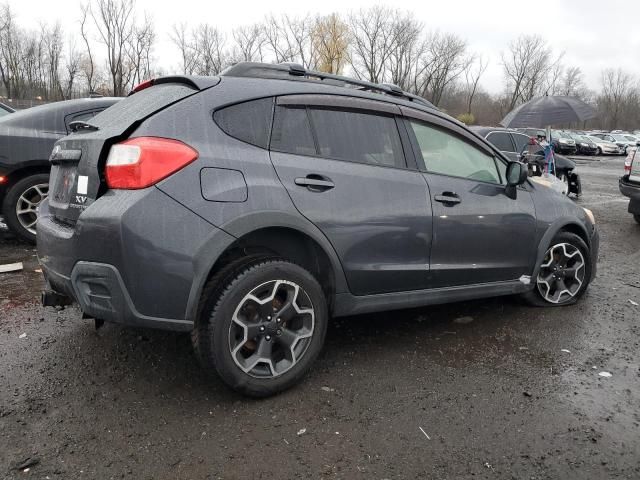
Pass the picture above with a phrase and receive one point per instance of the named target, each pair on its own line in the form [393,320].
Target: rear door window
[358,137]
[501,140]
[521,141]
[292,131]
[248,121]
[447,154]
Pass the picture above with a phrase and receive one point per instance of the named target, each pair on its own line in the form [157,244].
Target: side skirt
[348,304]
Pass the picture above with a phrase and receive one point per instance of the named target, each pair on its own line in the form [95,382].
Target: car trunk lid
[77,173]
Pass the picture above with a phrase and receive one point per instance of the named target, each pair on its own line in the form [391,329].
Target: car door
[342,161]
[480,235]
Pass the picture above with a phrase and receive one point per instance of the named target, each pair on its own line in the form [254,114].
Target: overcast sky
[594,34]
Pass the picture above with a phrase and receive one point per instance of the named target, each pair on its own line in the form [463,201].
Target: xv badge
[81,199]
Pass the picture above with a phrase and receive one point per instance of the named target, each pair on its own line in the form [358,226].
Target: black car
[584,145]
[250,208]
[516,145]
[630,182]
[563,143]
[5,110]
[26,140]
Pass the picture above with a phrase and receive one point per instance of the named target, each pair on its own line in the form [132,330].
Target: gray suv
[250,208]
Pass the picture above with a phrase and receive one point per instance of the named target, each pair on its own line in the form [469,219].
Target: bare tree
[472,74]
[407,47]
[249,43]
[139,51]
[180,38]
[72,69]
[330,39]
[209,43]
[616,91]
[526,63]
[443,60]
[115,24]
[87,64]
[373,42]
[289,39]
[572,83]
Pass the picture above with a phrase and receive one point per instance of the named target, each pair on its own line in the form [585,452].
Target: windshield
[595,139]
[620,137]
[631,137]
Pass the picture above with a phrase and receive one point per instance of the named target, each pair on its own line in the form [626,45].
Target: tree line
[111,49]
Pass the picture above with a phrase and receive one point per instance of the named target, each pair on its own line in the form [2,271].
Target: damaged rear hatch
[77,173]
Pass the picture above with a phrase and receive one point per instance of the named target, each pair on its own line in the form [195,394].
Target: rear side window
[292,132]
[501,140]
[522,142]
[247,121]
[358,137]
[447,154]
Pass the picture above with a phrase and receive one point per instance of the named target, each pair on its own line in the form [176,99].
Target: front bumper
[131,258]
[595,252]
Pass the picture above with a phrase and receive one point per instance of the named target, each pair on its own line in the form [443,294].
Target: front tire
[565,272]
[21,202]
[264,327]
[599,151]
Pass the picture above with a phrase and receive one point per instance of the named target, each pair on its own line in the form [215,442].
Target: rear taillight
[628,162]
[144,161]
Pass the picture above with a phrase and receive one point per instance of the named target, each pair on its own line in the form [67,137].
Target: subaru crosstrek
[250,208]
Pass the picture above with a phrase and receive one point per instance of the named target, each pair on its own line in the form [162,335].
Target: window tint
[291,131]
[81,117]
[358,137]
[247,121]
[501,140]
[449,155]
[522,141]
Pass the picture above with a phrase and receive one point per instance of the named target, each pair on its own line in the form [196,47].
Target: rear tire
[599,151]
[19,208]
[565,273]
[262,325]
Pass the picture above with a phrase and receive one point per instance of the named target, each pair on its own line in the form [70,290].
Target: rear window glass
[292,132]
[247,121]
[139,106]
[358,137]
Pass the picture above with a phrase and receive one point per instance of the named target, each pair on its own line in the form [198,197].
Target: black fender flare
[225,236]
[553,229]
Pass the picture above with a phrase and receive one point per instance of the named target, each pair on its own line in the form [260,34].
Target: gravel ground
[484,389]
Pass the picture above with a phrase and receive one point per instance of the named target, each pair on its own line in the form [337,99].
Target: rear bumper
[631,190]
[132,258]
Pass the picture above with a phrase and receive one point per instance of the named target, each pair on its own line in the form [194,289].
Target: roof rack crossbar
[268,70]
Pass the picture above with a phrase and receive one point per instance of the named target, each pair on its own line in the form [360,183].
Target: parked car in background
[26,140]
[514,144]
[563,142]
[251,207]
[604,147]
[619,139]
[633,138]
[5,110]
[584,145]
[630,182]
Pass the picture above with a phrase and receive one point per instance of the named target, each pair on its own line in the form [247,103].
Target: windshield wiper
[82,125]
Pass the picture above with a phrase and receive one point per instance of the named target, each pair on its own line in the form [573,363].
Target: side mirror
[517,174]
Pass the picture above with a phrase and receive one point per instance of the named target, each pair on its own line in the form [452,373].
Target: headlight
[590,216]
[562,140]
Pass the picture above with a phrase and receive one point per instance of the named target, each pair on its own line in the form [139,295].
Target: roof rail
[294,70]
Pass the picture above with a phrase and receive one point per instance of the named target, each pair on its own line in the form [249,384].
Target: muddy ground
[421,393]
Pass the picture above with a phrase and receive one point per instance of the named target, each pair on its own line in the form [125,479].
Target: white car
[605,147]
[619,139]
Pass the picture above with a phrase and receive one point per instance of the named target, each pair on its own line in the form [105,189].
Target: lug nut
[267,338]
[262,329]
[269,317]
[278,320]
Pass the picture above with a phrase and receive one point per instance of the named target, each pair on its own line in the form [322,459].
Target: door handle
[315,183]
[448,197]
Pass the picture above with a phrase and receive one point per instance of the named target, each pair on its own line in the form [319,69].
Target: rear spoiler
[193,81]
